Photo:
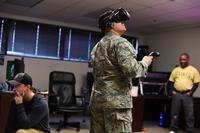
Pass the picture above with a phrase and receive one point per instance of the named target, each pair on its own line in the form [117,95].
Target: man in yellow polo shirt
[184,81]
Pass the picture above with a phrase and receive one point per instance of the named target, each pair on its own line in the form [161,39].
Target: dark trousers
[187,103]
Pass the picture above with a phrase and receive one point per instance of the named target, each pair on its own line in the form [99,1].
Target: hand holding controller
[148,59]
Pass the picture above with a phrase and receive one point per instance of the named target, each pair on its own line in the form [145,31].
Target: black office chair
[86,91]
[62,98]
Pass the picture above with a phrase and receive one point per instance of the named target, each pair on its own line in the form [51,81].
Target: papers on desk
[44,93]
[134,91]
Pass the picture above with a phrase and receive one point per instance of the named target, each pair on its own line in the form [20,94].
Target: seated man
[29,111]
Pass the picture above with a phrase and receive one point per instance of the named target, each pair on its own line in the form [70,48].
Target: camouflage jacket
[114,65]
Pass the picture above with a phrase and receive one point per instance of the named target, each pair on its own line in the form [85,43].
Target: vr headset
[116,15]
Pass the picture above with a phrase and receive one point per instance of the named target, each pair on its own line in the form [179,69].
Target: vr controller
[154,54]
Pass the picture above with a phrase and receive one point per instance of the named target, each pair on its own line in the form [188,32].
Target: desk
[154,105]
[137,113]
[5,101]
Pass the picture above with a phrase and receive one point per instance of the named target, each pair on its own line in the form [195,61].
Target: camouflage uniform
[114,65]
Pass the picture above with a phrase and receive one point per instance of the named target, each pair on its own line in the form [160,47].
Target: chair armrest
[54,100]
[80,100]
[79,96]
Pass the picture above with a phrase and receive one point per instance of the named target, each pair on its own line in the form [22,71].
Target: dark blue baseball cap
[21,78]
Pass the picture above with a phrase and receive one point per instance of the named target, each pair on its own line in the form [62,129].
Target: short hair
[104,20]
[186,54]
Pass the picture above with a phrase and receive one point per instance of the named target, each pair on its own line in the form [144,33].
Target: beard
[184,64]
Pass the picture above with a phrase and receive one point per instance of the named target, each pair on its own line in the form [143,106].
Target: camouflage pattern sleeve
[126,56]
[93,54]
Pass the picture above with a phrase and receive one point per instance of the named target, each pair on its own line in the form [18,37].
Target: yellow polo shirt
[184,78]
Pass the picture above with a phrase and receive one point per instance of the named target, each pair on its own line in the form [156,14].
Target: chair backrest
[62,89]
[156,83]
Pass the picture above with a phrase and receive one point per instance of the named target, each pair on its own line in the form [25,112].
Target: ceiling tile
[82,7]
[52,6]
[146,15]
[24,3]
[190,12]
[188,3]
[129,5]
[12,8]
[150,3]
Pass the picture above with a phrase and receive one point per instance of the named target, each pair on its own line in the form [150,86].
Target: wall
[40,69]
[171,44]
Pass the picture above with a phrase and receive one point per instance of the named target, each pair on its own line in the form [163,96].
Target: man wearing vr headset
[114,65]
